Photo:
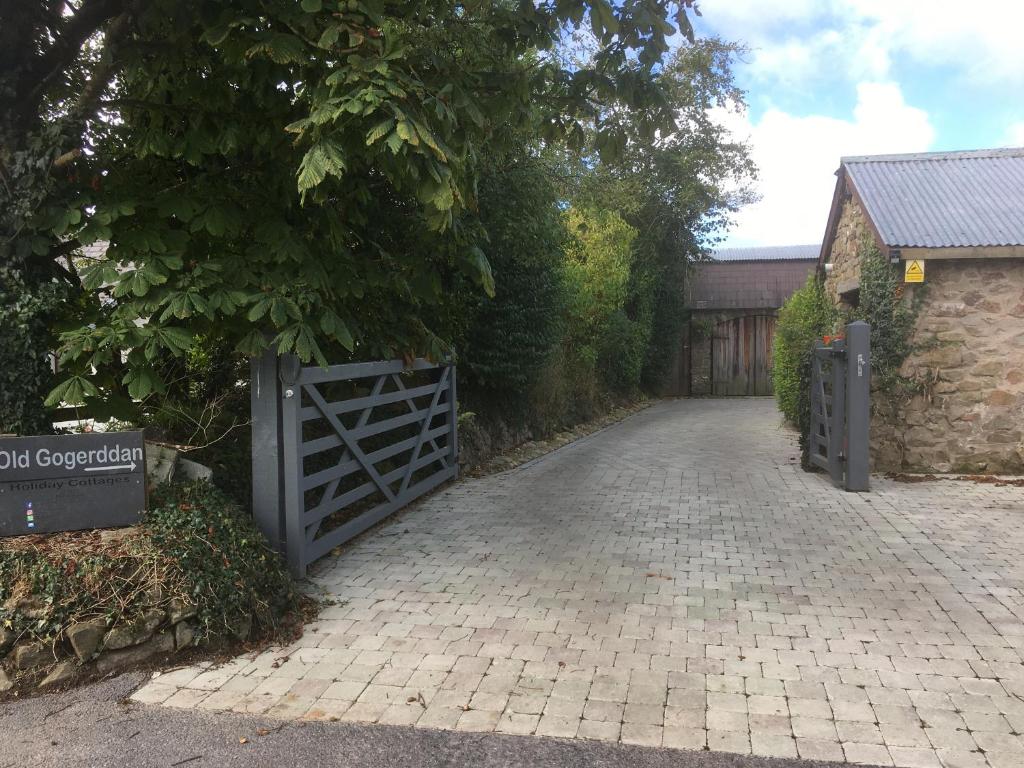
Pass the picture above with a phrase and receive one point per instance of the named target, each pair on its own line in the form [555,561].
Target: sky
[828,78]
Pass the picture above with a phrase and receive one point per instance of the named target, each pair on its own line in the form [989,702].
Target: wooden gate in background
[741,356]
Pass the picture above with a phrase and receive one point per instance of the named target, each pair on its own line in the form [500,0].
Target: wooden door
[741,356]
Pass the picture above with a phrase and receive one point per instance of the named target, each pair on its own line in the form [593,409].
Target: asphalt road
[95,726]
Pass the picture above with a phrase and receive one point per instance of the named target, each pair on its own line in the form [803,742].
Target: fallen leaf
[242,740]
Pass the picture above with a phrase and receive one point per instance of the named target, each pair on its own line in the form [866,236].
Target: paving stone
[678,737]
[515,723]
[772,745]
[673,572]
[642,734]
[564,727]
[871,754]
[478,720]
[729,741]
[909,757]
[809,749]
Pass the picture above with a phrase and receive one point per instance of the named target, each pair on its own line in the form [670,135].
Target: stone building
[961,216]
[734,301]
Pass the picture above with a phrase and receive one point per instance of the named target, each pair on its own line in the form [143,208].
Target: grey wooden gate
[840,407]
[741,356]
[336,450]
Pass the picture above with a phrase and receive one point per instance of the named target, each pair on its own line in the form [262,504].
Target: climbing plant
[892,316]
[805,317]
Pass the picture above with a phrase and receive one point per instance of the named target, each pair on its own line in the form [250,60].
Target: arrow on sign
[112,466]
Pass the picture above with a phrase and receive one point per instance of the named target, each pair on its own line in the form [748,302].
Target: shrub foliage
[195,548]
[803,319]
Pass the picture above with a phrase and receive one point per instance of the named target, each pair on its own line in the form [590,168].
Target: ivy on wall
[883,305]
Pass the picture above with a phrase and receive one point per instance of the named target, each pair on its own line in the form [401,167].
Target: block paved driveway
[674,581]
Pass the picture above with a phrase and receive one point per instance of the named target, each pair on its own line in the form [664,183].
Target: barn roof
[763,284]
[942,199]
[767,253]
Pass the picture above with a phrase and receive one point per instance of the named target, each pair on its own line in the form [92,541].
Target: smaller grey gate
[337,449]
[840,407]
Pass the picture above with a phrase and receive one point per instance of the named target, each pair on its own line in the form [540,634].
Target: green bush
[512,335]
[621,350]
[194,548]
[223,562]
[25,373]
[805,317]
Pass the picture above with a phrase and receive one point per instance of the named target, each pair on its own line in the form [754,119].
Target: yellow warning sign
[913,272]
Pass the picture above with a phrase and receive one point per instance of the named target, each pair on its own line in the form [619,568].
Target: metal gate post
[858,404]
[837,414]
[291,466]
[265,398]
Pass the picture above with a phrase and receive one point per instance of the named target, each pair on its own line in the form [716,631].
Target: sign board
[70,482]
[913,271]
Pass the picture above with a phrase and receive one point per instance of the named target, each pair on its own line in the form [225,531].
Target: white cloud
[798,155]
[1015,135]
[858,39]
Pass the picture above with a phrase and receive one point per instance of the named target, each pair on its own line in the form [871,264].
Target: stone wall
[851,233]
[970,363]
[970,335]
[91,648]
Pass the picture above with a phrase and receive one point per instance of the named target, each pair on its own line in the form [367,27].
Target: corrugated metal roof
[746,284]
[767,253]
[943,199]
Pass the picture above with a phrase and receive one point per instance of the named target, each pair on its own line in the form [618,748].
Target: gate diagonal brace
[350,443]
[332,486]
[424,429]
[412,409]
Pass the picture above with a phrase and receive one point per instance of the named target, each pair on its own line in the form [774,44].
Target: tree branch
[101,74]
[91,16]
[66,159]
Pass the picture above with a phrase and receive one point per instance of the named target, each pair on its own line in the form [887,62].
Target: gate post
[858,405]
[837,413]
[265,399]
[291,467]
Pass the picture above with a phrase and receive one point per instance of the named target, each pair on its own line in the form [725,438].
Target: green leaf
[253,344]
[141,382]
[335,327]
[379,131]
[177,340]
[71,391]
[213,219]
[299,125]
[330,37]
[259,309]
[407,133]
[312,6]
[481,270]
[217,35]
[323,158]
[394,143]
[279,47]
